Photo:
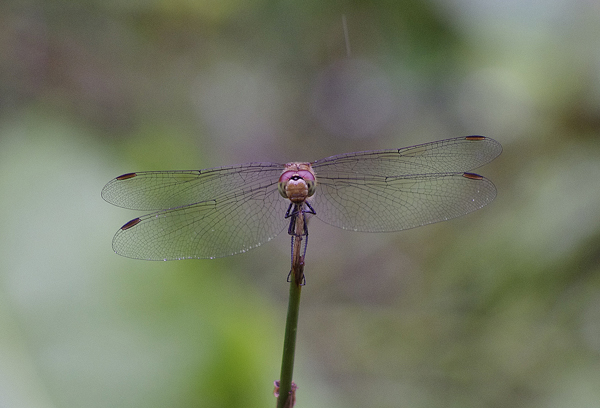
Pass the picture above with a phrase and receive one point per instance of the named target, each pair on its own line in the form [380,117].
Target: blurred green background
[499,308]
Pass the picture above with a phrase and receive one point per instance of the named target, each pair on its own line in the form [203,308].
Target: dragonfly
[229,210]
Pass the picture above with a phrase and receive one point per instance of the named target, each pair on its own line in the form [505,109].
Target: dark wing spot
[472,176]
[130,224]
[126,176]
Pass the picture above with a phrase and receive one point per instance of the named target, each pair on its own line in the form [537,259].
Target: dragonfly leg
[305,243]
[292,257]
[305,211]
[289,212]
[292,212]
[301,272]
[310,209]
[303,283]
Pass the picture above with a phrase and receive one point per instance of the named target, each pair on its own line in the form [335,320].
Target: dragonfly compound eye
[281,187]
[311,187]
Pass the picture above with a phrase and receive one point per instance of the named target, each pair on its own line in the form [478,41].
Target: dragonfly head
[297,182]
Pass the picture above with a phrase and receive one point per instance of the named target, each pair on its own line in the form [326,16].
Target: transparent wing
[392,190]
[380,204]
[159,190]
[224,211]
[224,226]
[444,156]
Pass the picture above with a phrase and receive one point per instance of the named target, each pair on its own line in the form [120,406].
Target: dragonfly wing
[209,229]
[444,156]
[382,204]
[392,190]
[159,190]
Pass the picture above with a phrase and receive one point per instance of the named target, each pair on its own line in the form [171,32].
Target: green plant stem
[287,397]
[289,344]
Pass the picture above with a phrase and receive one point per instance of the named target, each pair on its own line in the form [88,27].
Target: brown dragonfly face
[297,182]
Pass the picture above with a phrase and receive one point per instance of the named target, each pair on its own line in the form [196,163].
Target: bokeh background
[495,309]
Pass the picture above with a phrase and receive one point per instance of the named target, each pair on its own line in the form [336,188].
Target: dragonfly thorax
[297,182]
